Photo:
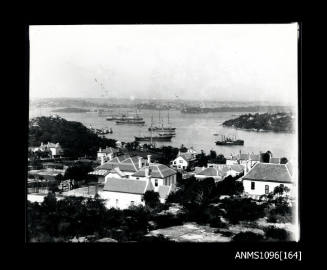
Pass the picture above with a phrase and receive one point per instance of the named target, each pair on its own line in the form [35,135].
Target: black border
[142,252]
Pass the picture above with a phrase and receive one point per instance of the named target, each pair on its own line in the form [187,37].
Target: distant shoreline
[266,122]
[71,110]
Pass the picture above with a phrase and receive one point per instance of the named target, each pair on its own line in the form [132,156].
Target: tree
[266,157]
[75,139]
[247,237]
[283,160]
[151,199]
[213,155]
[275,233]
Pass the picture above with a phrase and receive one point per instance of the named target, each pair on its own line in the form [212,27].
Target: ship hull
[237,142]
[161,129]
[130,123]
[154,139]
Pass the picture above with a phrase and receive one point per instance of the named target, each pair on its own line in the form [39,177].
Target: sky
[238,62]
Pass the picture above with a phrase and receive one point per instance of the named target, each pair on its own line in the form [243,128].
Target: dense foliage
[151,199]
[75,139]
[203,159]
[199,197]
[278,122]
[247,237]
[61,220]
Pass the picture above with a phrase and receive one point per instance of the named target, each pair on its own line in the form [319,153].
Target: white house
[118,167]
[183,161]
[123,193]
[106,154]
[159,174]
[264,177]
[54,148]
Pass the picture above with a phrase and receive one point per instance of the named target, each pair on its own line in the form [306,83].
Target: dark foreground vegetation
[218,205]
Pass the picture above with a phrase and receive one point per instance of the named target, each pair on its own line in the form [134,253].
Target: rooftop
[124,163]
[187,156]
[157,171]
[269,172]
[127,186]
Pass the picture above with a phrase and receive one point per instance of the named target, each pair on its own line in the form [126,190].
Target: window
[266,189]
[181,161]
[117,202]
[156,182]
[252,185]
[132,203]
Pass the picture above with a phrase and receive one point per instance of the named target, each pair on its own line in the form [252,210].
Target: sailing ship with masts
[161,128]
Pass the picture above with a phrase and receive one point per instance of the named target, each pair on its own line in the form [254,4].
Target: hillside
[71,110]
[278,122]
[75,139]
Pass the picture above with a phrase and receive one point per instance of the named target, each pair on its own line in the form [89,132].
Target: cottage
[183,161]
[160,175]
[118,167]
[107,153]
[264,177]
[54,148]
[123,193]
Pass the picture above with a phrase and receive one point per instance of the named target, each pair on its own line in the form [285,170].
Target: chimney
[149,159]
[102,160]
[147,172]
[110,156]
[140,162]
[100,149]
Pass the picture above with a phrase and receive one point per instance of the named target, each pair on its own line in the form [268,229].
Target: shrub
[243,209]
[275,233]
[247,237]
[151,199]
[158,238]
[168,220]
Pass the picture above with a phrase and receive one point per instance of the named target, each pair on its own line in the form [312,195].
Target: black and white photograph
[150,133]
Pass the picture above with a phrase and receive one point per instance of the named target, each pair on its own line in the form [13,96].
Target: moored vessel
[229,140]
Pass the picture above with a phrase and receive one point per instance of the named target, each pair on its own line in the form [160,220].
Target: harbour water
[194,130]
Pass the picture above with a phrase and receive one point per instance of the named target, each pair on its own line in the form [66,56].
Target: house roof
[157,171]
[210,172]
[237,167]
[100,172]
[187,156]
[198,169]
[127,186]
[220,170]
[164,191]
[124,163]
[269,172]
